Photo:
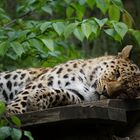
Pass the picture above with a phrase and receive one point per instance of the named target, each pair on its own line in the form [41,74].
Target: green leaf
[31,35]
[91,3]
[17,47]
[120,28]
[2,107]
[69,29]
[103,5]
[12,35]
[82,2]
[118,3]
[47,9]
[80,9]
[4,132]
[31,2]
[94,26]
[136,35]
[54,53]
[2,37]
[127,19]
[45,26]
[86,29]
[29,135]
[12,56]
[69,11]
[113,34]
[2,10]
[79,34]
[22,35]
[16,121]
[59,27]
[35,43]
[16,134]
[3,122]
[101,22]
[3,48]
[49,43]
[4,16]
[38,45]
[114,12]
[26,46]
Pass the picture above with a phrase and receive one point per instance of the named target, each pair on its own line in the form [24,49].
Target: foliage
[41,33]
[10,128]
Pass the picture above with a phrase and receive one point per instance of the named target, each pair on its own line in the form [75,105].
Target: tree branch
[15,20]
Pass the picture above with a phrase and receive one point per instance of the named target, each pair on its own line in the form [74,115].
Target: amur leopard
[77,81]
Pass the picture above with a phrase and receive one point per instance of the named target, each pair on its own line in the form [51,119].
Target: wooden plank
[108,110]
[127,104]
[97,119]
[99,110]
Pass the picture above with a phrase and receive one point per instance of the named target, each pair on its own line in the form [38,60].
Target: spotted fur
[11,83]
[77,81]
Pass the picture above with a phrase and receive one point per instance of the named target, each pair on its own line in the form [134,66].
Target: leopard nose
[113,88]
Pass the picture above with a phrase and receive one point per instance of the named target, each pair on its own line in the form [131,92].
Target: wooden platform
[112,116]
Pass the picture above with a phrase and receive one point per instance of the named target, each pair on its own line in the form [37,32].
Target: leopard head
[119,74]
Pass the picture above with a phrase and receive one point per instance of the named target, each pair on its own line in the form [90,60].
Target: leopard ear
[125,53]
